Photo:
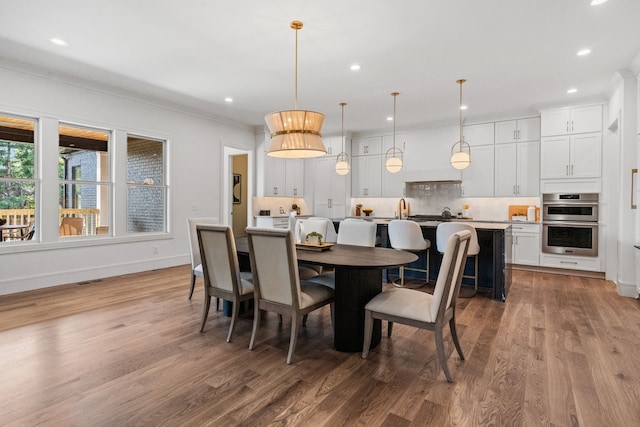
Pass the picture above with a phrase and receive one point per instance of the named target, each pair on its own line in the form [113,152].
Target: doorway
[237,189]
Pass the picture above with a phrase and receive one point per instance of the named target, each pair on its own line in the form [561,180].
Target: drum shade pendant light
[393,155]
[460,156]
[295,133]
[342,160]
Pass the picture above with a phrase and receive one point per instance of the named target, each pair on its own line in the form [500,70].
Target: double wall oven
[570,224]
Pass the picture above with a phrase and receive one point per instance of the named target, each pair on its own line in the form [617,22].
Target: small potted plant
[295,208]
[359,209]
[314,234]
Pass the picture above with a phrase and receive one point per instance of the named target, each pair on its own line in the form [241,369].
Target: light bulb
[394,164]
[342,167]
[460,160]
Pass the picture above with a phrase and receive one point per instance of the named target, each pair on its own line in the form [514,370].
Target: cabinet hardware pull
[571,125]
[518,133]
[571,170]
[518,189]
[567,172]
[633,173]
[569,262]
[514,135]
[567,127]
[514,189]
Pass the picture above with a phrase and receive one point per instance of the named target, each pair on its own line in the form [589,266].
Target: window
[146,185]
[18,201]
[83,169]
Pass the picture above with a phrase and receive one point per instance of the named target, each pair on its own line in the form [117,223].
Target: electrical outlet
[155,250]
[194,207]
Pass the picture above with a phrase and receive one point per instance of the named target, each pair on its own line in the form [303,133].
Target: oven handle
[585,224]
[565,203]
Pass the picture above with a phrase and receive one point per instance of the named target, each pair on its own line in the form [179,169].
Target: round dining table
[358,278]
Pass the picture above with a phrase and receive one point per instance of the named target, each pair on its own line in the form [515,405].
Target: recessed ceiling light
[390,119]
[572,90]
[228,99]
[463,107]
[355,67]
[584,52]
[59,42]
[598,2]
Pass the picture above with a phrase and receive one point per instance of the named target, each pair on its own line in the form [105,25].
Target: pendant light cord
[342,104]
[394,94]
[460,108]
[296,25]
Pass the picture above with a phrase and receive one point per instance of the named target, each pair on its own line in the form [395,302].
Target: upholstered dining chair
[422,310]
[323,226]
[194,251]
[222,277]
[406,235]
[446,229]
[278,288]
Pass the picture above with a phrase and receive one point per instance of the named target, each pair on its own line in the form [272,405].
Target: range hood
[430,175]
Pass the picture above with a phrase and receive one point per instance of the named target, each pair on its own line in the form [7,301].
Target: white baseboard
[627,290]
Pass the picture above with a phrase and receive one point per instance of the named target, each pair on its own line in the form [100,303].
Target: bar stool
[444,231]
[406,235]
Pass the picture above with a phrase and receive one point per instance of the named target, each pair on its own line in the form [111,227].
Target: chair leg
[454,335]
[389,329]
[234,319]
[333,315]
[205,311]
[217,304]
[427,272]
[256,325]
[193,285]
[368,331]
[304,320]
[295,321]
[441,356]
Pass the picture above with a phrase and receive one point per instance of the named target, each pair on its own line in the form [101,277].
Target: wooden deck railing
[25,216]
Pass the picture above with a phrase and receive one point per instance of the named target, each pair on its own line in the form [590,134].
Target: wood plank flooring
[126,351]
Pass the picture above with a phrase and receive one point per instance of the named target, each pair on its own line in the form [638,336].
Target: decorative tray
[314,246]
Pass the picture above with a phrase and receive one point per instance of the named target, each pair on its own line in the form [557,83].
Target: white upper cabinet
[334,145]
[366,176]
[366,146]
[567,121]
[283,177]
[477,178]
[517,130]
[330,189]
[517,169]
[480,134]
[574,156]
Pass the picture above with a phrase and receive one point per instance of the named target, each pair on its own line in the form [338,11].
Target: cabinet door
[526,248]
[294,177]
[506,131]
[506,170]
[274,179]
[480,134]
[528,169]
[366,146]
[477,179]
[586,155]
[392,183]
[554,157]
[528,129]
[366,176]
[586,119]
[555,122]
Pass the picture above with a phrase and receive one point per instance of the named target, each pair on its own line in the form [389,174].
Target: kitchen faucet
[403,209]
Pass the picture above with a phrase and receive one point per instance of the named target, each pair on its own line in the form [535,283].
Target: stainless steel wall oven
[570,224]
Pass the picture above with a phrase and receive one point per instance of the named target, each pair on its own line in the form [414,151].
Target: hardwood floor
[124,351]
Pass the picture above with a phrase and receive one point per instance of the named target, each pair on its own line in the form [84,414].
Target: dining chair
[222,277]
[422,310]
[277,285]
[194,250]
[322,226]
[406,235]
[71,226]
[446,229]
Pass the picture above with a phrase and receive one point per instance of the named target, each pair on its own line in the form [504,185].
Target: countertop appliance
[570,224]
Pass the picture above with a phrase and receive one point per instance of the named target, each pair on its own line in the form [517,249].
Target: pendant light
[462,158]
[295,133]
[342,160]
[393,155]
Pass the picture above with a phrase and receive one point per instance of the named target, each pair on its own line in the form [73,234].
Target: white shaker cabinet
[330,189]
[478,177]
[517,130]
[283,177]
[366,146]
[334,146]
[575,156]
[569,121]
[478,134]
[526,244]
[366,176]
[294,177]
[517,169]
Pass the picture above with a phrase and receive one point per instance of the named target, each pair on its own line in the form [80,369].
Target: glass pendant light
[342,160]
[461,158]
[295,133]
[393,155]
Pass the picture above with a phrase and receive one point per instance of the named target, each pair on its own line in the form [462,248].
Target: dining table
[11,229]
[358,278]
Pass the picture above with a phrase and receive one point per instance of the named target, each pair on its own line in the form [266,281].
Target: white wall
[195,165]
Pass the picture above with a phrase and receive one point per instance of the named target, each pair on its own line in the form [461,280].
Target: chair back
[71,226]
[357,233]
[219,258]
[446,229]
[319,225]
[194,250]
[274,264]
[450,274]
[406,235]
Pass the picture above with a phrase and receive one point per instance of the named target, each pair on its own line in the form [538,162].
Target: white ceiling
[516,55]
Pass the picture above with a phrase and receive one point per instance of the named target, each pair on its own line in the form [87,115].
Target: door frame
[227,178]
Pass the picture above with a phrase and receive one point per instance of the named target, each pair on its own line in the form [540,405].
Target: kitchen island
[494,274]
